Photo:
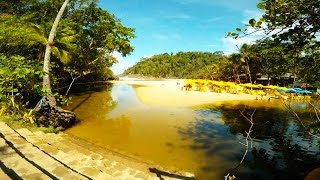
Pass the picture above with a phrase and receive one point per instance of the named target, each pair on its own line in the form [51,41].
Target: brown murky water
[117,120]
[203,140]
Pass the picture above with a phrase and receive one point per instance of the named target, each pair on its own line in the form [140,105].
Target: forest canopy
[179,65]
[80,49]
[86,37]
[265,57]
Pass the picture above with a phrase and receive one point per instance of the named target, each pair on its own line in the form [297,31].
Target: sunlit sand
[169,94]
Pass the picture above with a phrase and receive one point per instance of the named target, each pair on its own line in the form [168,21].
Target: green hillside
[179,65]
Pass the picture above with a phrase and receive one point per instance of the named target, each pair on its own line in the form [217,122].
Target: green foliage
[252,22]
[292,47]
[18,75]
[273,56]
[267,57]
[220,70]
[16,121]
[180,65]
[295,22]
[86,37]
[309,68]
[21,33]
[299,20]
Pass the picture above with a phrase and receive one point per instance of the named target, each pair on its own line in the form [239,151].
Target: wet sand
[169,94]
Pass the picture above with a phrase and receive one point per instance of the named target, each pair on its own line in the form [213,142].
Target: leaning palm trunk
[47,112]
[46,61]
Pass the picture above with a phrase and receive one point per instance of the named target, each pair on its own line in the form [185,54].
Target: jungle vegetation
[267,57]
[80,47]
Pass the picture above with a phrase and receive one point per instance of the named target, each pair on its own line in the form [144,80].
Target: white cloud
[123,63]
[147,56]
[231,45]
[118,56]
[253,14]
[248,14]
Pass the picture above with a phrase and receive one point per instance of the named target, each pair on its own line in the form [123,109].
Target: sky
[165,26]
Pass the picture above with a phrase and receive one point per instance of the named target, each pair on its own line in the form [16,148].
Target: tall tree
[46,61]
[272,54]
[246,56]
[236,65]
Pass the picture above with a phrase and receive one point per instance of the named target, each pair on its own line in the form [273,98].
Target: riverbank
[168,93]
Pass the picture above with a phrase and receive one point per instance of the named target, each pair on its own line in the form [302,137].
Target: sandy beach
[169,94]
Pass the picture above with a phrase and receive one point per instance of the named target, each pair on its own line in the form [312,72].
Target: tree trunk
[48,113]
[249,72]
[294,68]
[46,61]
[236,76]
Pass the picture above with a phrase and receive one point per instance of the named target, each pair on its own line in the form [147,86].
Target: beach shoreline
[169,93]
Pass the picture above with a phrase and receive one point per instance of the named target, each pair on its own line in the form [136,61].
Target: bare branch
[73,80]
[248,142]
[316,110]
[247,34]
[288,107]
[248,137]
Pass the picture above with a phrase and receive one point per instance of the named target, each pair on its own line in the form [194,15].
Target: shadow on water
[161,174]
[82,101]
[282,149]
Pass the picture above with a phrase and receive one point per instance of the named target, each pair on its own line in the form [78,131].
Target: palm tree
[236,65]
[46,61]
[245,57]
[25,32]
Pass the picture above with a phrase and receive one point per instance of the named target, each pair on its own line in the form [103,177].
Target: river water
[203,140]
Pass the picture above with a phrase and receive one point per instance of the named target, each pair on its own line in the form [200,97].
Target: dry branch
[248,143]
[248,137]
[288,107]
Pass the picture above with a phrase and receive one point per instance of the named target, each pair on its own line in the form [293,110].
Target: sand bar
[169,94]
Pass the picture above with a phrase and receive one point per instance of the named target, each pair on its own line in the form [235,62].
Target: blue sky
[180,25]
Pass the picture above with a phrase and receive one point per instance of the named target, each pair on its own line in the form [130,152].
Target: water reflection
[132,128]
[126,100]
[203,140]
[282,149]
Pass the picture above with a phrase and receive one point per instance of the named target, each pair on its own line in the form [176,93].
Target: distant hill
[179,65]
